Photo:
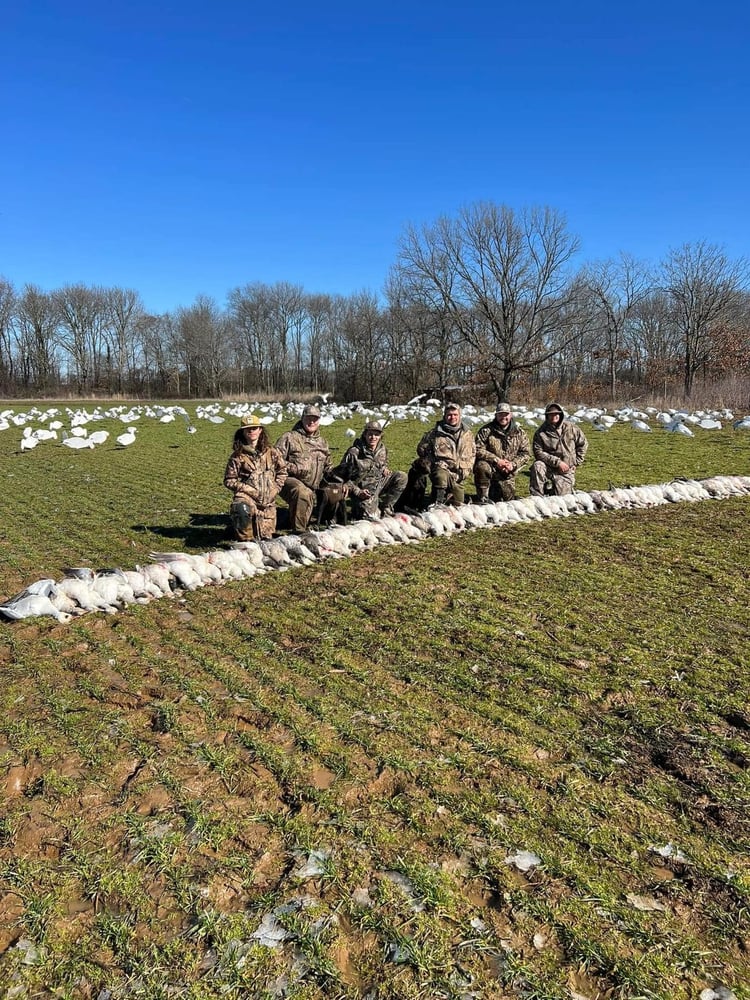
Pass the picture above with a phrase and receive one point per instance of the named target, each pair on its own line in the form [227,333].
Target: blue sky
[189,148]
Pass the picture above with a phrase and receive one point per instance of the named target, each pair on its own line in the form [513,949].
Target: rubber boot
[439,497]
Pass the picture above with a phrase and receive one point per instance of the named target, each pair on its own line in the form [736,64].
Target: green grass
[577,688]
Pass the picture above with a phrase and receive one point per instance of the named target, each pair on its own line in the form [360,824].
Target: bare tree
[286,307]
[125,314]
[501,275]
[654,341]
[7,314]
[616,288]
[424,338]
[82,321]
[320,311]
[704,286]
[36,321]
[203,338]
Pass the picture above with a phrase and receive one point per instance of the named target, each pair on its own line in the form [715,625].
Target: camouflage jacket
[456,452]
[256,476]
[566,443]
[511,444]
[366,468]
[307,456]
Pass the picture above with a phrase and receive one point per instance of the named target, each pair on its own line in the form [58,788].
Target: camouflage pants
[388,496]
[250,521]
[444,479]
[494,484]
[301,500]
[543,480]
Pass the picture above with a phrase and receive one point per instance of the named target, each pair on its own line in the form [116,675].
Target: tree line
[490,300]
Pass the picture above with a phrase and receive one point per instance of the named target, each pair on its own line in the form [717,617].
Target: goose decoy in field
[76,442]
[29,442]
[127,438]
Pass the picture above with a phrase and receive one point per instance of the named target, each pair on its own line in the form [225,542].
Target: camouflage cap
[451,406]
[374,426]
[503,408]
[311,411]
[251,421]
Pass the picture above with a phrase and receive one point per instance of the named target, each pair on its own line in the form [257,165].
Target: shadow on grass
[204,531]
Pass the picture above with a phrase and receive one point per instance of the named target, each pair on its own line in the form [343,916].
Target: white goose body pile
[83,590]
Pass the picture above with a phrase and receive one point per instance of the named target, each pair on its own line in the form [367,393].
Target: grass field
[344,761]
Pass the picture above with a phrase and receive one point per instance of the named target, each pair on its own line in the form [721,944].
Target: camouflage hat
[452,406]
[554,408]
[374,426]
[503,408]
[251,421]
[311,411]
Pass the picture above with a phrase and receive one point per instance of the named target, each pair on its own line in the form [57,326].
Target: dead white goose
[143,588]
[252,552]
[112,585]
[231,564]
[82,592]
[297,549]
[183,573]
[160,576]
[206,571]
[30,605]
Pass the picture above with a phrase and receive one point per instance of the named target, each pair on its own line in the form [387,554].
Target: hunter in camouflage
[446,454]
[502,451]
[255,474]
[372,486]
[308,460]
[559,447]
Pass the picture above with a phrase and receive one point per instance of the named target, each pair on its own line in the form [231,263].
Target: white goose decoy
[127,438]
[76,442]
[29,440]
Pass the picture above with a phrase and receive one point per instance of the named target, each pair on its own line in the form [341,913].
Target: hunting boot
[482,495]
[439,497]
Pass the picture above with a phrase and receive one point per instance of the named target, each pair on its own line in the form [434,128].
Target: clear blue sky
[185,148]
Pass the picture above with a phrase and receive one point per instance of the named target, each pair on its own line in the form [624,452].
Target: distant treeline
[489,300]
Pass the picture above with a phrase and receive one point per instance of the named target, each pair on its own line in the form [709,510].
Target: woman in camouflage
[255,474]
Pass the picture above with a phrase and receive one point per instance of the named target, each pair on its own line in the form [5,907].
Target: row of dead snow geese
[83,589]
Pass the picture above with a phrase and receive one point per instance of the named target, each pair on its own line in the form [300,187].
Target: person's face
[554,418]
[503,419]
[372,438]
[452,418]
[252,434]
[310,424]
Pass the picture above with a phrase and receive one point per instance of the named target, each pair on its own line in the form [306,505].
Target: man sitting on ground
[502,451]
